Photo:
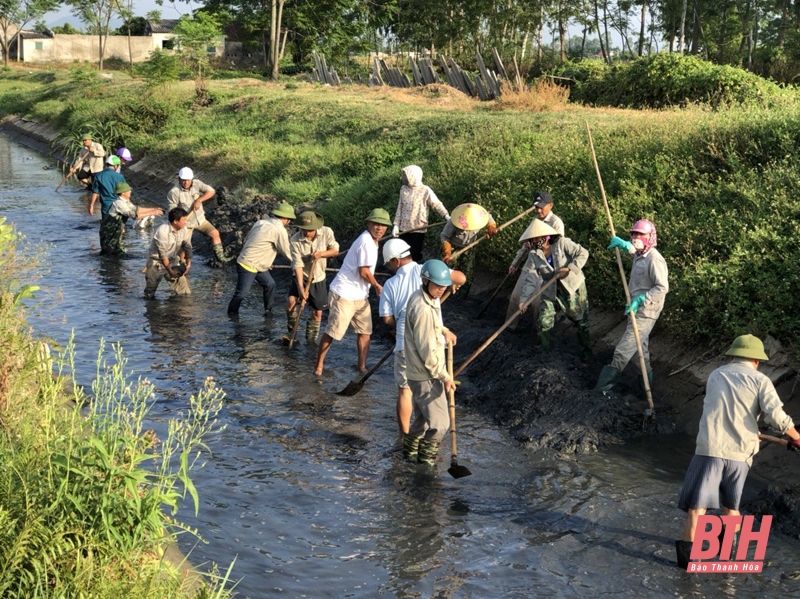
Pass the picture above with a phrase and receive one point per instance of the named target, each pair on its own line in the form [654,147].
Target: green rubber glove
[636,303]
[621,244]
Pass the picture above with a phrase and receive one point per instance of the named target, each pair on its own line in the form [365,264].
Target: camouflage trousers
[112,231]
[575,307]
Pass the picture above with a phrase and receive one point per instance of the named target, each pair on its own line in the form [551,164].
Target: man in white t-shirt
[349,291]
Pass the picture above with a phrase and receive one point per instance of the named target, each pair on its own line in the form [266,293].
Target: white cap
[395,248]
[186,174]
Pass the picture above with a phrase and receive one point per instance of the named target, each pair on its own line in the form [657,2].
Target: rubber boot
[411,448]
[233,306]
[219,254]
[683,549]
[312,330]
[544,340]
[608,378]
[291,319]
[428,451]
[586,343]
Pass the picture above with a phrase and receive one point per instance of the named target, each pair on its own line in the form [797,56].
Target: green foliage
[159,68]
[195,35]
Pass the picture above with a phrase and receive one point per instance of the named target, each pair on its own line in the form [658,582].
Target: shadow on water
[307,489]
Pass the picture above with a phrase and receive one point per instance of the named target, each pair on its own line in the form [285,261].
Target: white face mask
[638,244]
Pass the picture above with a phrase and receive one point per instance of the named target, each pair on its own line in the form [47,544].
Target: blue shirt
[105,182]
[394,298]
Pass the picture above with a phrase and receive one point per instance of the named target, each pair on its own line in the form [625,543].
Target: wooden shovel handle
[451,395]
[771,439]
[302,305]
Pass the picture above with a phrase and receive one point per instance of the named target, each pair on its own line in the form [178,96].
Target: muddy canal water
[305,489]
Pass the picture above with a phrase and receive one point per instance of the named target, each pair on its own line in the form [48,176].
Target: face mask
[638,244]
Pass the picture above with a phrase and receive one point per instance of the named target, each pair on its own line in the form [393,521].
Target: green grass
[721,185]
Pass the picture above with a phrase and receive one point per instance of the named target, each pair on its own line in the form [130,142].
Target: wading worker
[266,239]
[425,338]
[555,256]
[112,227]
[190,193]
[543,202]
[736,395]
[412,210]
[314,241]
[89,161]
[104,186]
[349,293]
[463,228]
[648,286]
[170,241]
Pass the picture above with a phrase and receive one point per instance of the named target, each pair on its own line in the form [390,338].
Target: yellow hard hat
[537,228]
[469,217]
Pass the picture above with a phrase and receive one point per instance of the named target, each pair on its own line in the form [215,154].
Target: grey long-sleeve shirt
[649,275]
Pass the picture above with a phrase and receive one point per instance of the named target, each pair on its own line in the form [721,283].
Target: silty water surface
[305,489]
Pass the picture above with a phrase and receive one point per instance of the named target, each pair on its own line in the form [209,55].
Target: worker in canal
[90,160]
[648,286]
[522,262]
[313,242]
[112,227]
[104,186]
[170,246]
[425,339]
[267,238]
[553,255]
[412,210]
[464,227]
[737,394]
[190,194]
[349,293]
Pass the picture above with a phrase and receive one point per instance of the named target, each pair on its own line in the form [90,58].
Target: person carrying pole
[311,246]
[648,286]
[90,161]
[555,256]
[112,227]
[267,238]
[349,292]
[412,210]
[543,203]
[104,185]
[728,438]
[171,242]
[425,340]
[463,228]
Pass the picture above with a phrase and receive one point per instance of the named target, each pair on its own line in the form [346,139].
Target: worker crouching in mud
[464,227]
[553,255]
[425,339]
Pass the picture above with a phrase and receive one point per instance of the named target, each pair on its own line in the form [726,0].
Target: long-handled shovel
[771,439]
[454,470]
[650,411]
[506,324]
[466,248]
[488,303]
[67,176]
[290,339]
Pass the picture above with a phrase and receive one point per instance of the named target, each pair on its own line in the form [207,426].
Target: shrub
[159,68]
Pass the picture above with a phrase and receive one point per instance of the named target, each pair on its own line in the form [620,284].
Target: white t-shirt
[348,284]
[394,298]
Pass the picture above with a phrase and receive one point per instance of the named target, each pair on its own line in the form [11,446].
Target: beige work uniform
[301,247]
[167,245]
[93,161]
[178,197]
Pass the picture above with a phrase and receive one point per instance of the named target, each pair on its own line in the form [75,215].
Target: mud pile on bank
[782,505]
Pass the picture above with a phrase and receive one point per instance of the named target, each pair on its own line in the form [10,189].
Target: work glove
[636,303]
[620,244]
[491,230]
[793,445]
[447,250]
[395,231]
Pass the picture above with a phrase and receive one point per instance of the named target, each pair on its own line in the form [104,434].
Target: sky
[169,10]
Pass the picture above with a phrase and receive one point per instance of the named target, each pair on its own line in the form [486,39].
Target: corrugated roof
[35,35]
[163,26]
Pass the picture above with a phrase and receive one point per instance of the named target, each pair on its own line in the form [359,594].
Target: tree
[18,13]
[97,15]
[195,34]
[66,29]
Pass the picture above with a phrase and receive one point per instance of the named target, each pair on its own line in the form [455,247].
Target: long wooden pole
[80,159]
[500,228]
[642,364]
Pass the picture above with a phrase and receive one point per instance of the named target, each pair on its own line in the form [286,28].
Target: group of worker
[551,280]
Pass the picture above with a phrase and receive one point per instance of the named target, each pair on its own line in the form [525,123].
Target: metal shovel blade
[457,471]
[352,388]
[287,341]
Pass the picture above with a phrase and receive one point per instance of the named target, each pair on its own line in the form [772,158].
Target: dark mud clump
[783,505]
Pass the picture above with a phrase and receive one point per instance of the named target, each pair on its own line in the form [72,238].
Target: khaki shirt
[552,220]
[460,238]
[424,339]
[266,239]
[167,243]
[123,207]
[649,275]
[93,161]
[184,198]
[736,395]
[301,246]
[565,253]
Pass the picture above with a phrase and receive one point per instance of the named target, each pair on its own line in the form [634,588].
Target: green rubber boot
[608,378]
[291,320]
[312,329]
[219,254]
[586,343]
[428,452]
[544,340]
[411,448]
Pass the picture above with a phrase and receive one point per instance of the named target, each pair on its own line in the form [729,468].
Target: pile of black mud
[782,505]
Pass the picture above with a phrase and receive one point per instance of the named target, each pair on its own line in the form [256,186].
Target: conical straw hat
[470,217]
[537,228]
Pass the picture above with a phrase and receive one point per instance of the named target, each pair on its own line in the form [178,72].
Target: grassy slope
[721,186]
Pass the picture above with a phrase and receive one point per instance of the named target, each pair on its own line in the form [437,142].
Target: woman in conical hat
[464,227]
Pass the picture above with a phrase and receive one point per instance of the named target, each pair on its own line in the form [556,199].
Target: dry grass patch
[543,95]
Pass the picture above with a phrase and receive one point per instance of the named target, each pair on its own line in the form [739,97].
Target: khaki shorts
[343,313]
[205,228]
[400,370]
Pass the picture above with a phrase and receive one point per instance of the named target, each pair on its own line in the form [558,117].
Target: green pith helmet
[748,346]
[284,210]
[309,221]
[88,136]
[437,272]
[122,188]
[379,216]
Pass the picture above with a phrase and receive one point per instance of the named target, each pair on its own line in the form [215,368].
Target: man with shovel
[266,239]
[736,395]
[648,285]
[311,246]
[349,291]
[90,162]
